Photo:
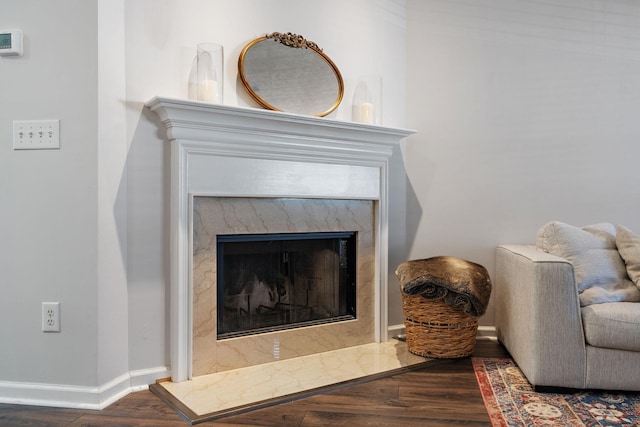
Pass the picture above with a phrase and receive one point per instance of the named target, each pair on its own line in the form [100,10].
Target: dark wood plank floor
[444,393]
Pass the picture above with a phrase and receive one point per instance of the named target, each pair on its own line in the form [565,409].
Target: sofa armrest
[537,315]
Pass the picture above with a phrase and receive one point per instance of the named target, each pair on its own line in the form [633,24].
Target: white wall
[86,225]
[526,111]
[360,36]
[113,147]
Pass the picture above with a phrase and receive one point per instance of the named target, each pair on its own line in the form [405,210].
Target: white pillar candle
[366,112]
[208,90]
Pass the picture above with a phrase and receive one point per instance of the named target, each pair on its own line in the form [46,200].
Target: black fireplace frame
[347,254]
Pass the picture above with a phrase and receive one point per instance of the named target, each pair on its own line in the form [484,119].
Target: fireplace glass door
[270,282]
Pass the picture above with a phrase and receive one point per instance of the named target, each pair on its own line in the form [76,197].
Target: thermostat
[10,43]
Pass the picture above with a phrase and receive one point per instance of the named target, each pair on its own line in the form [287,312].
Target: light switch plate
[36,134]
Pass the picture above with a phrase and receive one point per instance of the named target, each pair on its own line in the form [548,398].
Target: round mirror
[285,72]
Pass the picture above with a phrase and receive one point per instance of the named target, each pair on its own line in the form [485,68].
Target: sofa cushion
[612,325]
[600,272]
[629,248]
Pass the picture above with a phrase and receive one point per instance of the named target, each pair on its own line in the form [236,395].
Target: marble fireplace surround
[238,215]
[223,152]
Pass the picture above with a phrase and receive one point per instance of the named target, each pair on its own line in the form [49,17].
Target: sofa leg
[554,389]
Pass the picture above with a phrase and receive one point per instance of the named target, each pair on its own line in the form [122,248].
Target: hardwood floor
[443,393]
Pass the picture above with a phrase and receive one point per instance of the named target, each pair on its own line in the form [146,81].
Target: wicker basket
[435,330]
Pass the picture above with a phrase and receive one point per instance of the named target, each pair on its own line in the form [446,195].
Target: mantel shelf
[194,120]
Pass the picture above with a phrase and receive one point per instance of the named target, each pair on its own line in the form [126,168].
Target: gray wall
[48,198]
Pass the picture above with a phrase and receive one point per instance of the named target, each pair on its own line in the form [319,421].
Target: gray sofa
[567,309]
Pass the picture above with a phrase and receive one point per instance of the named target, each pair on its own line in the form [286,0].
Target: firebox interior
[276,281]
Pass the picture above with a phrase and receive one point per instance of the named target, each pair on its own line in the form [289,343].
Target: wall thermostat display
[10,43]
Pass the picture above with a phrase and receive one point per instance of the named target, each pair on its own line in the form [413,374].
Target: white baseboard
[395,330]
[487,332]
[79,397]
[484,332]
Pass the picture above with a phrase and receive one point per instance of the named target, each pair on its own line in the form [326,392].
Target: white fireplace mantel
[219,150]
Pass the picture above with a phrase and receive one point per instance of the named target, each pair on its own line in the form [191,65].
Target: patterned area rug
[511,401]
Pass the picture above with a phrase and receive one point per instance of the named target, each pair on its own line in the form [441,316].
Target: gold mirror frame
[299,78]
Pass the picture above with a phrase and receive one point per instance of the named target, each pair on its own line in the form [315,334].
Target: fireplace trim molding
[290,156]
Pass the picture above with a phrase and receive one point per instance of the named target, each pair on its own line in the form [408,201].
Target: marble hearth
[212,396]
[241,170]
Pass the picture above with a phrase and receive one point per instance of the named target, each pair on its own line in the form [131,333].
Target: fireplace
[278,281]
[241,171]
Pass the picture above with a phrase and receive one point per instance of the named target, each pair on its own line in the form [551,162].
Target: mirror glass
[285,72]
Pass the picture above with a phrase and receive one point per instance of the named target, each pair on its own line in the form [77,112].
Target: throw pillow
[600,272]
[629,247]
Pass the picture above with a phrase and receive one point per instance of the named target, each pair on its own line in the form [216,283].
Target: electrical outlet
[36,134]
[50,317]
